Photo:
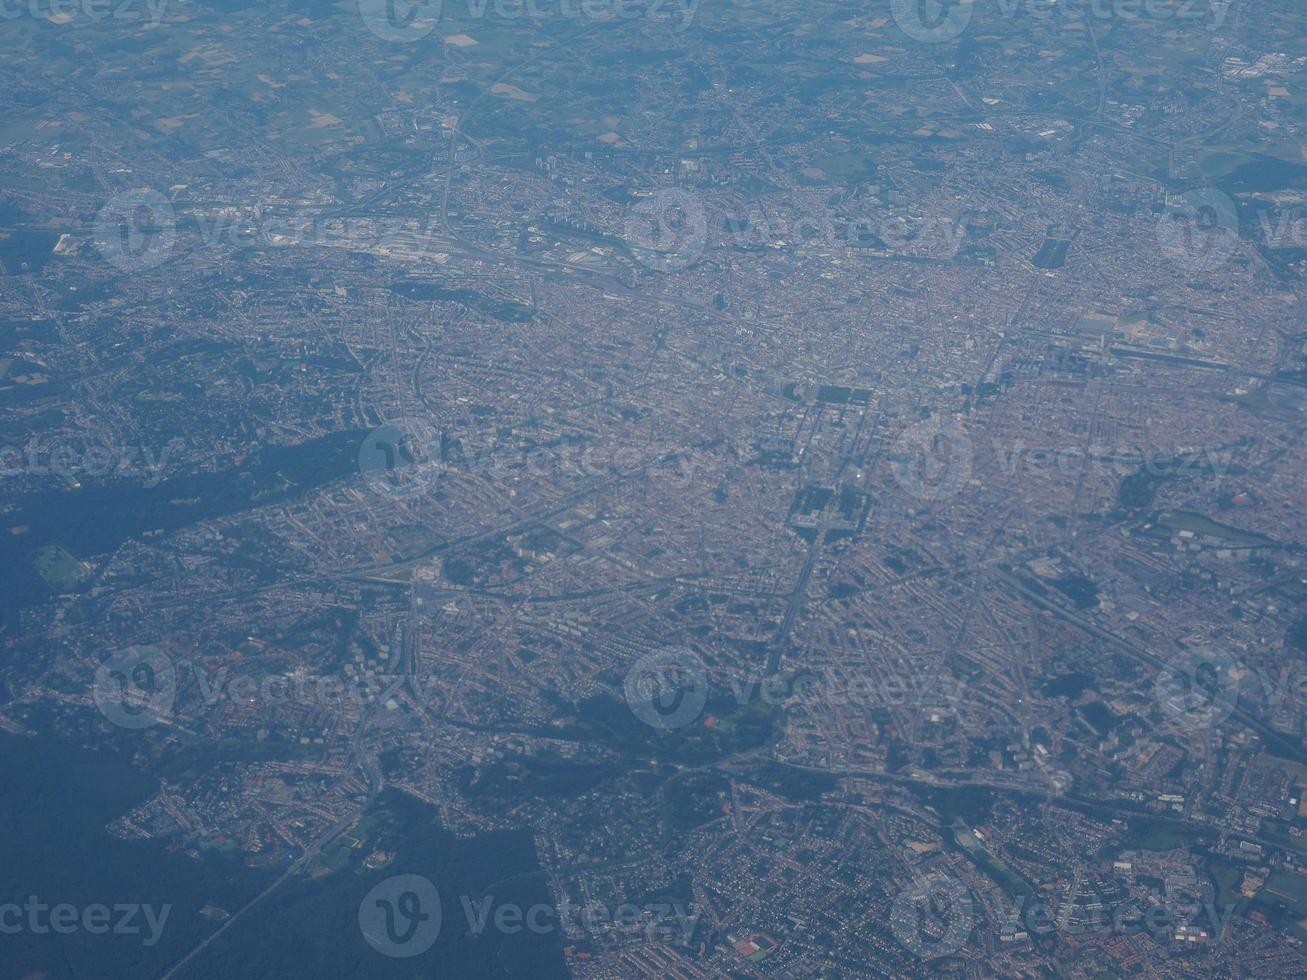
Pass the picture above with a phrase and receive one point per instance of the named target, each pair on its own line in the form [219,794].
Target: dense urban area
[653,488]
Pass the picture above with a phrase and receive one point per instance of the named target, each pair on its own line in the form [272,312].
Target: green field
[61,571]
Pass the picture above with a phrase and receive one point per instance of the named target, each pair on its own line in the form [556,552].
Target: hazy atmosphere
[694,489]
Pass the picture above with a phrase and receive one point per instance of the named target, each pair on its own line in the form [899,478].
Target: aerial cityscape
[653,488]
